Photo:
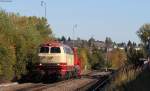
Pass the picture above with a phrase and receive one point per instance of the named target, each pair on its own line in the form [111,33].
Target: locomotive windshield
[55,50]
[44,50]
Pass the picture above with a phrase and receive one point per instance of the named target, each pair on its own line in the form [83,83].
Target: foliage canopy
[20,37]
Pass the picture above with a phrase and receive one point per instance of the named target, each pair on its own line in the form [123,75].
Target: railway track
[41,86]
[100,84]
[33,86]
[97,85]
[87,82]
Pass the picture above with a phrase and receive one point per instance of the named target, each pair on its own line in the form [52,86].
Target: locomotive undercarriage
[52,73]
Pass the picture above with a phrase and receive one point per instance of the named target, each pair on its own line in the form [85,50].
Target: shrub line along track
[103,81]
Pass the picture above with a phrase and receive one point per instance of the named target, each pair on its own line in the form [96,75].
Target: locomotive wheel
[59,77]
[75,73]
[36,77]
[68,75]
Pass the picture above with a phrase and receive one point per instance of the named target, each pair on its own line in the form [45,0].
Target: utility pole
[43,4]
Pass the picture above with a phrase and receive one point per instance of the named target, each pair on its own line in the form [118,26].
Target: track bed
[67,85]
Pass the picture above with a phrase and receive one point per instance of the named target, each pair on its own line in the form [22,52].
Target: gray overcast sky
[118,19]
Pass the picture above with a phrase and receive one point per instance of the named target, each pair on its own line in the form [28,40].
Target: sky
[118,19]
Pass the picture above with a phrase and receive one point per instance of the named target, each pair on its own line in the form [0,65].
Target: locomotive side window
[55,50]
[68,50]
[44,50]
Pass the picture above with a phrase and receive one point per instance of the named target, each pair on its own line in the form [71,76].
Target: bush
[20,37]
[122,78]
[96,59]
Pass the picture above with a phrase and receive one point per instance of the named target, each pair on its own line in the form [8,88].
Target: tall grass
[122,77]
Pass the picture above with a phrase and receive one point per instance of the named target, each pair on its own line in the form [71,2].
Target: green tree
[91,42]
[63,39]
[144,34]
[69,39]
[20,37]
[129,44]
[7,55]
[83,54]
[117,58]
[96,59]
[133,56]
[108,42]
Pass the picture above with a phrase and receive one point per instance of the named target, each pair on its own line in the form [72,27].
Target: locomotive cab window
[55,50]
[44,50]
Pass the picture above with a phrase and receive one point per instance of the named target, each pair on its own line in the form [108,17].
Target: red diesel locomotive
[58,60]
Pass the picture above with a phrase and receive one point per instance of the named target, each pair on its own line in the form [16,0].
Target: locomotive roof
[54,44]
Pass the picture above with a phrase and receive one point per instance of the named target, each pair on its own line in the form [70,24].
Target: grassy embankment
[131,79]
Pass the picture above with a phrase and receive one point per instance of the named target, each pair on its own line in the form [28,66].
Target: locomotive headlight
[40,64]
[58,64]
